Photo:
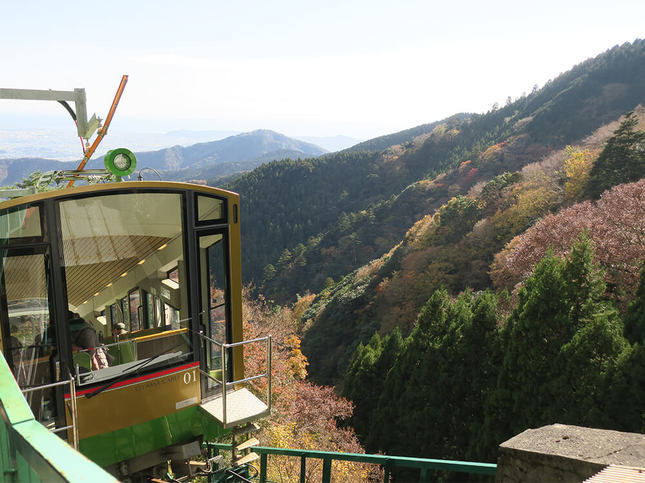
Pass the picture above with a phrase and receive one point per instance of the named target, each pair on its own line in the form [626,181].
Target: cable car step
[246,459]
[247,444]
[241,407]
[215,460]
[246,429]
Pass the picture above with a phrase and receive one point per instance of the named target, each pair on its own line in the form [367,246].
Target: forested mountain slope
[469,377]
[287,202]
[489,271]
[455,247]
[383,142]
[560,338]
[311,220]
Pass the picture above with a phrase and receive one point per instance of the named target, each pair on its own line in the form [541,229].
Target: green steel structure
[31,453]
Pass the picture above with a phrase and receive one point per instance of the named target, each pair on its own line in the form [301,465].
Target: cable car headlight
[120,162]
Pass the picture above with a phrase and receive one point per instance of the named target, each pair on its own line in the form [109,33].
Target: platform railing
[72,409]
[226,385]
[424,465]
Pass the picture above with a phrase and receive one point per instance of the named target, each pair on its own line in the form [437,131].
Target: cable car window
[134,303]
[159,321]
[210,209]
[112,244]
[173,275]
[171,316]
[115,315]
[125,312]
[30,345]
[149,310]
[20,223]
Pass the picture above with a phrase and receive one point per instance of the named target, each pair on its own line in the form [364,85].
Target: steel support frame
[85,128]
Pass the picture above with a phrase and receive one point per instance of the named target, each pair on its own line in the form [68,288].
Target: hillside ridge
[315,219]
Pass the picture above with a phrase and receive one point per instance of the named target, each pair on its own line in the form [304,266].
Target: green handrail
[425,465]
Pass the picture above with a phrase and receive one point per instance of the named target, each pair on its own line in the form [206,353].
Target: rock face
[566,453]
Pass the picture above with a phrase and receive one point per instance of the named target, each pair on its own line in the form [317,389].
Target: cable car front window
[117,247]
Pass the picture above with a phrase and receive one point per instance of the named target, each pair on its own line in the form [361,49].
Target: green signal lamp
[120,162]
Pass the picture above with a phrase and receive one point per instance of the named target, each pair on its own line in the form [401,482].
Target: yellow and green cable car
[131,293]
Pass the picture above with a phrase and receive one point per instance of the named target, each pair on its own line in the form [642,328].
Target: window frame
[125,300]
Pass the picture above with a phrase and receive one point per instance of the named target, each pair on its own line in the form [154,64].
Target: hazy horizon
[359,69]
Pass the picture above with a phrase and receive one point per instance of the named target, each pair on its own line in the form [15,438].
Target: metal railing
[424,465]
[224,384]
[72,409]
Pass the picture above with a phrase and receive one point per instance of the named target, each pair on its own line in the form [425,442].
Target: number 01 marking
[190,377]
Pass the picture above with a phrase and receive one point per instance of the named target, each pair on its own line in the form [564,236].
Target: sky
[303,68]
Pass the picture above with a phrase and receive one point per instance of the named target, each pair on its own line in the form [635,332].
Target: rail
[424,465]
[224,384]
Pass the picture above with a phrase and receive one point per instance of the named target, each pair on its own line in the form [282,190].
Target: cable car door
[28,334]
[214,309]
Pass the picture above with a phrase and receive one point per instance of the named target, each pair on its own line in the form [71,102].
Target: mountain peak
[235,153]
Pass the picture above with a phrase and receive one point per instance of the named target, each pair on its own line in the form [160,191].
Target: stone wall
[562,453]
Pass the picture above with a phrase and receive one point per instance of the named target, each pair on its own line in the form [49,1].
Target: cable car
[120,317]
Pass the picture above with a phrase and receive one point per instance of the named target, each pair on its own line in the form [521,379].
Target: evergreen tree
[584,280]
[400,403]
[626,391]
[441,379]
[269,272]
[578,390]
[635,318]
[560,344]
[622,160]
[366,375]
[284,259]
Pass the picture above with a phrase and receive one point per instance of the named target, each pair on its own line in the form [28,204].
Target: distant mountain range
[210,160]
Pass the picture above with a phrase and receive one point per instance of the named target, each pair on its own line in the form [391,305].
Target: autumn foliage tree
[577,167]
[615,223]
[304,415]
